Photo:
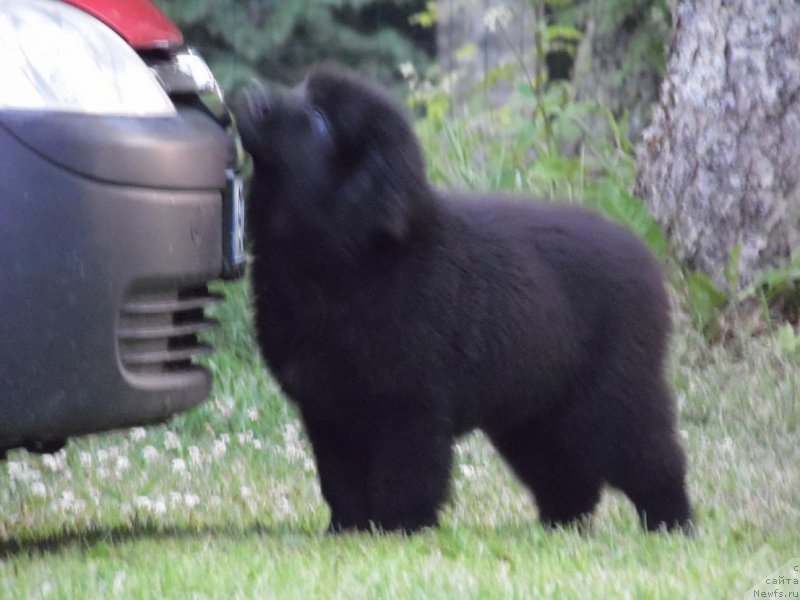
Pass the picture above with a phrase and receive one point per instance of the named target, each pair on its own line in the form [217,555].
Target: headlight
[56,57]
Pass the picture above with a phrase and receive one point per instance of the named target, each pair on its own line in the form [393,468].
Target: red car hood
[139,22]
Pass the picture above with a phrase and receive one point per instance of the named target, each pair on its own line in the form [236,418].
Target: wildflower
[256,444]
[253,414]
[293,446]
[85,459]
[70,503]
[178,465]
[171,440]
[142,502]
[219,448]
[191,500]
[21,471]
[149,453]
[38,489]
[407,70]
[497,17]
[245,491]
[121,465]
[159,505]
[14,469]
[138,434]
[468,471]
[245,437]
[55,462]
[195,456]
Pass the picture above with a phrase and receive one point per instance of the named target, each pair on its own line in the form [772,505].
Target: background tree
[720,165]
[278,40]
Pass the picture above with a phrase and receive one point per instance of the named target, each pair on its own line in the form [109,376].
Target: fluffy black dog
[398,317]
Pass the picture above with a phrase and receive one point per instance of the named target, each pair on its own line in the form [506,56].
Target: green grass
[223,503]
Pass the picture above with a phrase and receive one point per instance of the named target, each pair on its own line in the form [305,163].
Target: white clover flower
[497,17]
[85,458]
[121,465]
[256,444]
[219,448]
[195,456]
[138,434]
[191,500]
[293,447]
[38,489]
[253,414]
[245,491]
[149,453]
[468,471]
[178,465]
[171,440]
[22,471]
[159,505]
[55,462]
[245,437]
[142,502]
[70,503]
[14,469]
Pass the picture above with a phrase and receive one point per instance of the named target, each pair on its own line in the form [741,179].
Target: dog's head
[335,158]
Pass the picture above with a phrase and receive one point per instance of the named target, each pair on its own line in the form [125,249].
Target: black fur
[398,317]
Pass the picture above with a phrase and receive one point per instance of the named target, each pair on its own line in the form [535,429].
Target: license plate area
[234,258]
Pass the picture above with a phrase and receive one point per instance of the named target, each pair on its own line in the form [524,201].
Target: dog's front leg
[342,471]
[409,470]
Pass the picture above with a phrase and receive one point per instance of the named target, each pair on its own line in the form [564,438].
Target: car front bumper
[110,230]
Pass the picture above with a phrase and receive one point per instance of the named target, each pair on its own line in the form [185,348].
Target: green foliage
[538,141]
[279,40]
[645,22]
[788,339]
[705,301]
[773,291]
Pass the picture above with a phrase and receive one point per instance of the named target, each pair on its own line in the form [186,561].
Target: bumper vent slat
[168,356]
[158,330]
[149,333]
[155,307]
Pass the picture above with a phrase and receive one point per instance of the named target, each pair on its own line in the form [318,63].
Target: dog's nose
[254,101]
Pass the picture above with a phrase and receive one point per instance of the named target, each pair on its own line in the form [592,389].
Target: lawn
[223,503]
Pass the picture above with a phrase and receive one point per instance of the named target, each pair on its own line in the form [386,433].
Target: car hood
[139,22]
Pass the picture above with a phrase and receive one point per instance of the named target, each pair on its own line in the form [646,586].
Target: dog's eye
[319,123]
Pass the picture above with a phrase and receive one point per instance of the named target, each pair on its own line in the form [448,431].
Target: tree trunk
[720,164]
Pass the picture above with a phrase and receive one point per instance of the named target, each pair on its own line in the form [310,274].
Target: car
[120,201]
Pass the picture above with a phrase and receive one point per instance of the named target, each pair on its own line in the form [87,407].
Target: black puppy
[398,317]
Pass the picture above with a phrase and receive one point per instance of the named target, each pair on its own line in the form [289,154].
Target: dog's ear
[375,201]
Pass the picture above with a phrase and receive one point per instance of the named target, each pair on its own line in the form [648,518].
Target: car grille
[158,330]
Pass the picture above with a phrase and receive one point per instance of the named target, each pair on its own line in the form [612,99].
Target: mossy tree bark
[720,164]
